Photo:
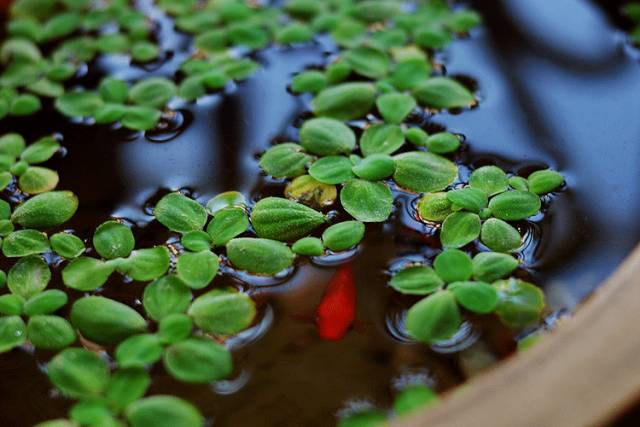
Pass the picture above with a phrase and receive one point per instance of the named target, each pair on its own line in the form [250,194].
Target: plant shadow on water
[557,92]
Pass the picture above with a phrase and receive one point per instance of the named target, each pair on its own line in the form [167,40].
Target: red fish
[337,310]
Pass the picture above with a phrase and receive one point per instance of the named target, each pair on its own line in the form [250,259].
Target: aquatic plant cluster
[362,146]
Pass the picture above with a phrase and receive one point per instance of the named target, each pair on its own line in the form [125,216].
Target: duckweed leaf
[146,264]
[519,183]
[144,51]
[50,332]
[197,269]
[91,412]
[25,242]
[113,239]
[469,198]
[544,181]
[491,266]
[345,101]
[78,103]
[180,213]
[12,333]
[11,305]
[163,411]
[490,179]
[36,180]
[337,72]
[368,61]
[225,200]
[499,236]
[25,105]
[478,297]
[28,277]
[78,373]
[109,113]
[174,328]
[395,107]
[311,81]
[197,361]
[46,210]
[152,92]
[331,170]
[443,92]
[326,137]
[381,138]
[416,280]
[281,219]
[424,172]
[514,205]
[45,302]
[165,296]
[226,224]
[86,274]
[113,90]
[140,117]
[223,311]
[104,320]
[453,265]
[433,318]
[367,201]
[459,229]
[294,33]
[364,418]
[12,144]
[443,142]
[287,160]
[434,207]
[519,303]
[343,235]
[138,351]
[126,387]
[410,73]
[413,398]
[308,246]
[259,256]
[375,167]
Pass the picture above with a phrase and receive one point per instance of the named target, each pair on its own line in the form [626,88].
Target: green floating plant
[18,160]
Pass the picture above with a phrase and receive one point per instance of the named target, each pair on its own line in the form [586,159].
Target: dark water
[559,88]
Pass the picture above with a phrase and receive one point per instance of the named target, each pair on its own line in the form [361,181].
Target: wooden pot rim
[585,373]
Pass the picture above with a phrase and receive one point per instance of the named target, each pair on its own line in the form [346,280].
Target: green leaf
[46,210]
[463,20]
[198,361]
[491,266]
[469,198]
[453,265]
[11,305]
[12,333]
[138,351]
[410,73]
[196,241]
[45,302]
[519,183]
[459,229]
[443,142]
[499,236]
[19,50]
[490,179]
[544,181]
[25,242]
[345,101]
[25,105]
[126,387]
[46,88]
[416,280]
[91,412]
[180,213]
[478,297]
[78,103]
[432,37]
[337,72]
[287,160]
[163,411]
[104,320]
[367,201]
[225,200]
[36,180]
[226,224]
[191,88]
[144,51]
[175,328]
[434,318]
[395,107]
[166,296]
[140,118]
[375,167]
[197,269]
[12,144]
[78,373]
[520,303]
[514,205]
[326,137]
[311,81]
[109,113]
[113,239]
[424,172]
[249,35]
[434,207]
[368,61]
[281,219]
[259,256]
[28,277]
[223,311]
[381,138]
[146,264]
[152,92]
[308,246]
[331,170]
[113,90]
[364,418]
[343,235]
[443,92]
[86,274]
[413,398]
[294,33]
[50,332]
[113,43]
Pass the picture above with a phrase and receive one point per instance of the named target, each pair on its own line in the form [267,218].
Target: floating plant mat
[354,164]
